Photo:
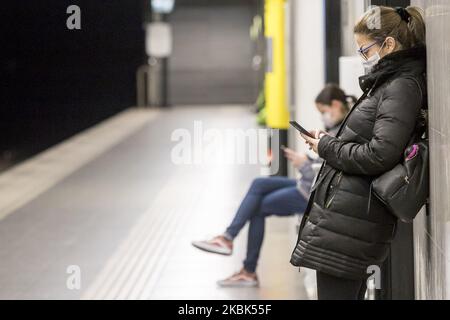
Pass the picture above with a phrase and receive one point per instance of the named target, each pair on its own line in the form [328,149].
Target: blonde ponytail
[416,25]
[381,22]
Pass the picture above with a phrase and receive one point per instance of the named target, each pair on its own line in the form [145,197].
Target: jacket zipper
[334,191]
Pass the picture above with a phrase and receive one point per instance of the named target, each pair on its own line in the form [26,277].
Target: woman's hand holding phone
[312,138]
[313,142]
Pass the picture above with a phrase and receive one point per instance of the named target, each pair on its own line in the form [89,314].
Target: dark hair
[334,92]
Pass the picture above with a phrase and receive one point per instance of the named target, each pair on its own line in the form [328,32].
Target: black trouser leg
[334,288]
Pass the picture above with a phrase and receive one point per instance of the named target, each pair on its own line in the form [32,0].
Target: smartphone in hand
[297,126]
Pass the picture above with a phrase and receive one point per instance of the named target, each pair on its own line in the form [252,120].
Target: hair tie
[403,13]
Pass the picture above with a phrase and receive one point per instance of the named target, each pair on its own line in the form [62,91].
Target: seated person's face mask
[328,121]
[331,118]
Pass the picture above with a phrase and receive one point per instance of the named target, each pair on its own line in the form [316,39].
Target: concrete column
[309,62]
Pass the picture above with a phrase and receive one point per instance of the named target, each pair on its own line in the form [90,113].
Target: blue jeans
[267,196]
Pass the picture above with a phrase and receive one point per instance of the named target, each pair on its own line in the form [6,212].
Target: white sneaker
[218,245]
[242,279]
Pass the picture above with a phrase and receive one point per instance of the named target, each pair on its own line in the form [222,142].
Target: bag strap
[423,113]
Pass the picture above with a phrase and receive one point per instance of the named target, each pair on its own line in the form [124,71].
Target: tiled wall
[432,233]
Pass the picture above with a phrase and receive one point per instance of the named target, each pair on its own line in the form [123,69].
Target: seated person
[280,196]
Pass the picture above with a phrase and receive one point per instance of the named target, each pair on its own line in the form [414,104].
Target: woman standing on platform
[341,235]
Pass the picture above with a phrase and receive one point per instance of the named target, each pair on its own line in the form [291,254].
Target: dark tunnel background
[56,81]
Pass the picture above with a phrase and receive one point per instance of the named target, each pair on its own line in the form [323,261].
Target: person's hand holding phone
[297,159]
[312,138]
[313,142]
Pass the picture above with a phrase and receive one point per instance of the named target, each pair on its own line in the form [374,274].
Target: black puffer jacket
[340,234]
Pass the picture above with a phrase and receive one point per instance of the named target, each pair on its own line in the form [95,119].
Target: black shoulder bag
[405,189]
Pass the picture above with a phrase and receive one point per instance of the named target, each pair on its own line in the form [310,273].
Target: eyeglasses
[362,51]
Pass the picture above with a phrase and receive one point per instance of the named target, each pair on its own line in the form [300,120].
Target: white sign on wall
[162,6]
[158,40]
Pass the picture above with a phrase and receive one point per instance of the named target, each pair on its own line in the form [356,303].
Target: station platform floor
[108,215]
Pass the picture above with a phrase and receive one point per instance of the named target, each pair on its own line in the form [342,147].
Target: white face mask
[372,61]
[328,120]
